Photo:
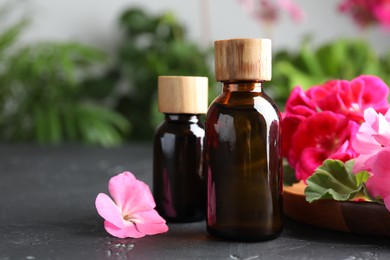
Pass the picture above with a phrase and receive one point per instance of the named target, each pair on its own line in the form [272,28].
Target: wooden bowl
[357,217]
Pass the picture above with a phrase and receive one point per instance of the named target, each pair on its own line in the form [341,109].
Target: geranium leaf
[334,180]
[361,178]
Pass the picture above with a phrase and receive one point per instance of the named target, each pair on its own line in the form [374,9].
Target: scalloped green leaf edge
[335,180]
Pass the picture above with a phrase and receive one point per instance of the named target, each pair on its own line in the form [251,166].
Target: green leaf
[311,62]
[9,37]
[362,177]
[334,180]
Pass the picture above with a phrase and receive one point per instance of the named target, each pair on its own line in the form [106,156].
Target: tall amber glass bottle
[179,188]
[243,145]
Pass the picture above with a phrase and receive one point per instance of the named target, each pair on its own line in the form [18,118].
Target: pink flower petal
[360,163]
[381,166]
[152,228]
[150,222]
[383,135]
[130,194]
[311,158]
[363,142]
[375,92]
[378,187]
[142,198]
[299,98]
[119,187]
[128,231]
[371,118]
[150,216]
[108,210]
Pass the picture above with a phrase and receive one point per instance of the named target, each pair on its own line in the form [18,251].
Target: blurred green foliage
[340,59]
[42,95]
[65,92]
[43,98]
[153,45]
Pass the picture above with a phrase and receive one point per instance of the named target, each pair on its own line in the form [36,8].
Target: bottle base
[242,238]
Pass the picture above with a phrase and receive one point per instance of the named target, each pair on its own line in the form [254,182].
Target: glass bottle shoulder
[181,127]
[245,101]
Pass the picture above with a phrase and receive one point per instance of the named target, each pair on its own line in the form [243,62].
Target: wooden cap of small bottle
[243,59]
[182,94]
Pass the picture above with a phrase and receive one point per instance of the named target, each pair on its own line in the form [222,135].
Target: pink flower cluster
[267,11]
[372,142]
[368,12]
[320,123]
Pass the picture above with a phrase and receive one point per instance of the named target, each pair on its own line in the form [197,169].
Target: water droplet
[130,247]
[116,250]
[255,257]
[30,257]
[108,252]
[350,258]
[234,257]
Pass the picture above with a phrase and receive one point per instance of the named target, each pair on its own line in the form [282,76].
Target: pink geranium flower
[373,136]
[351,98]
[321,136]
[368,12]
[305,145]
[373,143]
[131,213]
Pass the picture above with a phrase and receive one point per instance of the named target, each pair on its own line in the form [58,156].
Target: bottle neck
[243,86]
[188,118]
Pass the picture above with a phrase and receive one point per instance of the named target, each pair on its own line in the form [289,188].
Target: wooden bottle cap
[182,94]
[243,59]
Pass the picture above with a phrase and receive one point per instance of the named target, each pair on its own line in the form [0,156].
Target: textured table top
[47,211]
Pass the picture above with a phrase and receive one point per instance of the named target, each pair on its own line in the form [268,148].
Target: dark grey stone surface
[47,211]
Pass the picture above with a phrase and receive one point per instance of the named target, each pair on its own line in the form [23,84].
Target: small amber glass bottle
[242,150]
[179,188]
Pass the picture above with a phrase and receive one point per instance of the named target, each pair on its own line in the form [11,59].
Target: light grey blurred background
[95,22]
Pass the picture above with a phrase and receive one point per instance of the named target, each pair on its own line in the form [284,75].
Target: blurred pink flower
[293,9]
[267,11]
[368,12]
[372,142]
[382,13]
[132,213]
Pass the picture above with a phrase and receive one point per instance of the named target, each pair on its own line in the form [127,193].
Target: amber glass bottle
[179,188]
[242,150]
